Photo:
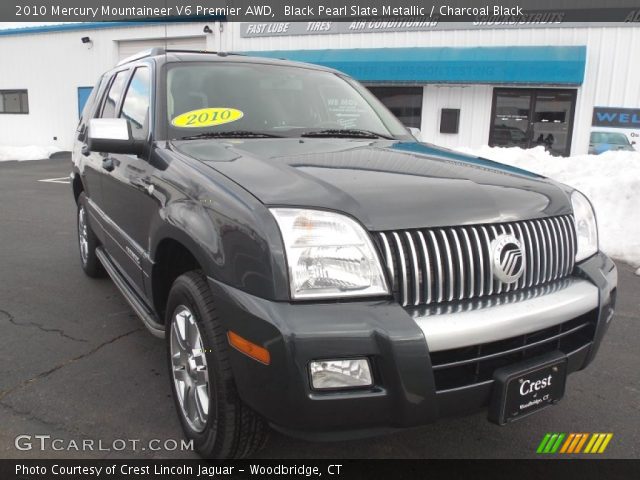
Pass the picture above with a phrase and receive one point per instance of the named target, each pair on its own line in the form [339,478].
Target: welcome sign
[616,117]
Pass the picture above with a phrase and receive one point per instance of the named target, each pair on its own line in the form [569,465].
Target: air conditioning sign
[616,117]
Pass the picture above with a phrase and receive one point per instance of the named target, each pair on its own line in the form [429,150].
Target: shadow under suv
[313,267]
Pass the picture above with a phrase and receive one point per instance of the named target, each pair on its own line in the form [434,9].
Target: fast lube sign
[616,117]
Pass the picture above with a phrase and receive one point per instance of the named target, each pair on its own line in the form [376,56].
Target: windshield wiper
[345,132]
[231,134]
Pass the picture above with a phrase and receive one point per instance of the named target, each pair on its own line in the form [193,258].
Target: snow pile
[610,180]
[31,152]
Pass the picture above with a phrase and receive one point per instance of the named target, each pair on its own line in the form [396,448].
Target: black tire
[232,429]
[88,260]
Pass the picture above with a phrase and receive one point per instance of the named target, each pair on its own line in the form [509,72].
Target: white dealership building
[462,84]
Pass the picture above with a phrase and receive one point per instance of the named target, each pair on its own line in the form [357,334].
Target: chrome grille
[454,263]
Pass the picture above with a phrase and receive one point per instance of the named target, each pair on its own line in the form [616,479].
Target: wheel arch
[174,254]
[77,186]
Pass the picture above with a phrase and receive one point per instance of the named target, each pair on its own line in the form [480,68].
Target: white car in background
[601,141]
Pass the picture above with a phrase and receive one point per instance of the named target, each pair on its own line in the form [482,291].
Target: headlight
[586,226]
[329,255]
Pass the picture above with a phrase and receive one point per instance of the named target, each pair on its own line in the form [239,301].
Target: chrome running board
[149,318]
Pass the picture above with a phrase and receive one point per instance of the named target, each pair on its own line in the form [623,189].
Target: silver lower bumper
[506,316]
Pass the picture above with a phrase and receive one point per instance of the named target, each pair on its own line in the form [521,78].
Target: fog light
[347,373]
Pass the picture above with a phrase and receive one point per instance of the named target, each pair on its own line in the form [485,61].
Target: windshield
[247,98]
[611,138]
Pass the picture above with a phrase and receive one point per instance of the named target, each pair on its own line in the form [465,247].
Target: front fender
[233,237]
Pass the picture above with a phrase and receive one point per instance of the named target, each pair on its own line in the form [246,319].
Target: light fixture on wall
[87,41]
[206,29]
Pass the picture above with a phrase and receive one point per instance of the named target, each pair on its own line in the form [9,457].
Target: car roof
[162,55]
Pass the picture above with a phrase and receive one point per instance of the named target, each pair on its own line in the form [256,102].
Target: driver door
[127,187]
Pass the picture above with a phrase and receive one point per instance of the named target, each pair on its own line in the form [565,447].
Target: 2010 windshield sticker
[207,117]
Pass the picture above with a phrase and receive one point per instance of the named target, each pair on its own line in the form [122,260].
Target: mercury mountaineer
[314,268]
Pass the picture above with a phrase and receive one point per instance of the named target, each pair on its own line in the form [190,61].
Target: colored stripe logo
[574,443]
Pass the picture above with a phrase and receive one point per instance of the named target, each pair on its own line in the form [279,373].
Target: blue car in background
[600,142]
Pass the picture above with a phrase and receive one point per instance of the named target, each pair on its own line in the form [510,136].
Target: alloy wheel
[83,235]
[189,368]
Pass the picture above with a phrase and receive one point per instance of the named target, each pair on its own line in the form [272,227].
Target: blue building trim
[83,96]
[555,65]
[66,27]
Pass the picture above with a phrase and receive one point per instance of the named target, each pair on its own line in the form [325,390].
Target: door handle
[108,164]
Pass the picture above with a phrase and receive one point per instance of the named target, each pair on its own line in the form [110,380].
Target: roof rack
[152,52]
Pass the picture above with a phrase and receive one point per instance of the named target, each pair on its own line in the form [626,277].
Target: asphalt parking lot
[75,362]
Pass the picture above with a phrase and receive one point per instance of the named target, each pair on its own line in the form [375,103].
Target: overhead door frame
[133,46]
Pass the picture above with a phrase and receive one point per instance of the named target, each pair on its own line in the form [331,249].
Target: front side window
[114,94]
[135,107]
[207,98]
[14,101]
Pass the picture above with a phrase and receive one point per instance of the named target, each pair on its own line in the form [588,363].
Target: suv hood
[383,183]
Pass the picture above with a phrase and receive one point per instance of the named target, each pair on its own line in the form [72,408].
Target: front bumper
[403,345]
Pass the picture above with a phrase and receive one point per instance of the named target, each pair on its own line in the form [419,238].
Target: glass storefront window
[527,118]
[404,102]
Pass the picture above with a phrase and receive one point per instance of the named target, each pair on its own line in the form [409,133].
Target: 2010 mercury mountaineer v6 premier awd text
[315,268]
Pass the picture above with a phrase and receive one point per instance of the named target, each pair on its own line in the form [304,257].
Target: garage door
[126,48]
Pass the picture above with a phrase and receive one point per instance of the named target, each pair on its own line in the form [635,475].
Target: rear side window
[92,103]
[114,94]
[135,107]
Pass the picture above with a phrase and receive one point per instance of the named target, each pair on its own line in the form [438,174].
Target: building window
[527,118]
[449,120]
[14,101]
[404,102]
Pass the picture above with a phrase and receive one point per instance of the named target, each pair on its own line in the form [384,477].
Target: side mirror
[415,132]
[113,135]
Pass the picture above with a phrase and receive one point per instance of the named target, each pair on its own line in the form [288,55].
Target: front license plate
[528,387]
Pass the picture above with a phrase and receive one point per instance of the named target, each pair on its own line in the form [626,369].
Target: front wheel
[208,405]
